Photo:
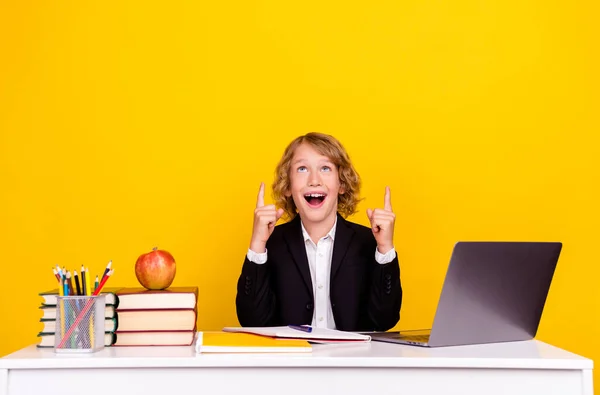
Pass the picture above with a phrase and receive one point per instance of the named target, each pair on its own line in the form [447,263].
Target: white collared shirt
[319,262]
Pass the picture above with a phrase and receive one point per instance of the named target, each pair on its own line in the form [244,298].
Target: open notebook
[316,335]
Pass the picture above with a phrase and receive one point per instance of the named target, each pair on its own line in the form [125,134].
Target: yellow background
[128,125]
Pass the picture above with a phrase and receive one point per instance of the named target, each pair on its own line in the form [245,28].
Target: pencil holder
[79,324]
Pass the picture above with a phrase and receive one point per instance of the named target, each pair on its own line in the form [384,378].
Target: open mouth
[315,199]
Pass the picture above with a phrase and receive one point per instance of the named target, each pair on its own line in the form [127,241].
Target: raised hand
[265,218]
[382,223]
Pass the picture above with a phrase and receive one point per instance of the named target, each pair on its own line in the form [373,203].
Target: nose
[315,179]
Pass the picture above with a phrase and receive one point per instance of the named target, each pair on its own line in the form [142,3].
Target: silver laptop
[493,292]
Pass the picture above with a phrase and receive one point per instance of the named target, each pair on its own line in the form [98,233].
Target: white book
[312,334]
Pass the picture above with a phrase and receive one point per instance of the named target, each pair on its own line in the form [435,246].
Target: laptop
[493,292]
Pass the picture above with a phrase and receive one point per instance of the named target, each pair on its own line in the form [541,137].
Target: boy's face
[314,185]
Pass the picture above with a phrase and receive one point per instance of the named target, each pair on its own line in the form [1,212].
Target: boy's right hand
[265,218]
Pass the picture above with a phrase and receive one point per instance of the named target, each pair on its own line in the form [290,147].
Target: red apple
[155,269]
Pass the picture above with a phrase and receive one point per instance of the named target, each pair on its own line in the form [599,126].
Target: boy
[318,268]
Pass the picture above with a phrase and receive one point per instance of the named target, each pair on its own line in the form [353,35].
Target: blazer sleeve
[385,295]
[255,300]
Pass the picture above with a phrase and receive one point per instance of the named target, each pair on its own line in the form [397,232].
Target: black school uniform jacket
[365,295]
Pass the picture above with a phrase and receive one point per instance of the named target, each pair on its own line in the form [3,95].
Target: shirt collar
[331,233]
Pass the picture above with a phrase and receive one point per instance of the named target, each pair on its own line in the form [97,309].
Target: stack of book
[48,319]
[156,318]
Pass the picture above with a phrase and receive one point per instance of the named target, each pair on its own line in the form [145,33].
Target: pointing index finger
[387,200]
[260,200]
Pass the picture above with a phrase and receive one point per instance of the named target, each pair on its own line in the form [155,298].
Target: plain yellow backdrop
[129,125]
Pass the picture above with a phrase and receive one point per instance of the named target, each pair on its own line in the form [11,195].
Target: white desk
[374,368]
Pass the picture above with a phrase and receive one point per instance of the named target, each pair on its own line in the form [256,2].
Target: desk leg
[3,381]
[588,382]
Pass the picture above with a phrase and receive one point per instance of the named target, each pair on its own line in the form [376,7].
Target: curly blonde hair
[330,147]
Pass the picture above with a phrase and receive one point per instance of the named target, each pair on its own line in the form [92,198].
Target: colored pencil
[96,283]
[108,265]
[87,282]
[83,276]
[76,277]
[70,282]
[56,274]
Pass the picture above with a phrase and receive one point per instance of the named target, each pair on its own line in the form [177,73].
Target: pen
[303,328]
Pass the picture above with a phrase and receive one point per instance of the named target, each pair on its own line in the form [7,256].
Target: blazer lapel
[295,241]
[343,237]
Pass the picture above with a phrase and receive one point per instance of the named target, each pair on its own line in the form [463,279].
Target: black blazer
[365,295]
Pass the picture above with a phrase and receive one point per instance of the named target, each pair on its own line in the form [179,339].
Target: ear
[287,193]
[342,190]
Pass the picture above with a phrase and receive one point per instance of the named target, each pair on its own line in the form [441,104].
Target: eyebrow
[327,161]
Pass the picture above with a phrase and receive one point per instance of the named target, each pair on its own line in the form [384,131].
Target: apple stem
[154,248]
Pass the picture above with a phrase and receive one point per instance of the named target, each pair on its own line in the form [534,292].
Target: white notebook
[316,335]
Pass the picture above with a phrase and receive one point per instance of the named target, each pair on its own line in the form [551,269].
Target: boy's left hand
[382,223]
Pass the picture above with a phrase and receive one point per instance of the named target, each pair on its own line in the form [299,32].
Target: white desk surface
[512,355]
